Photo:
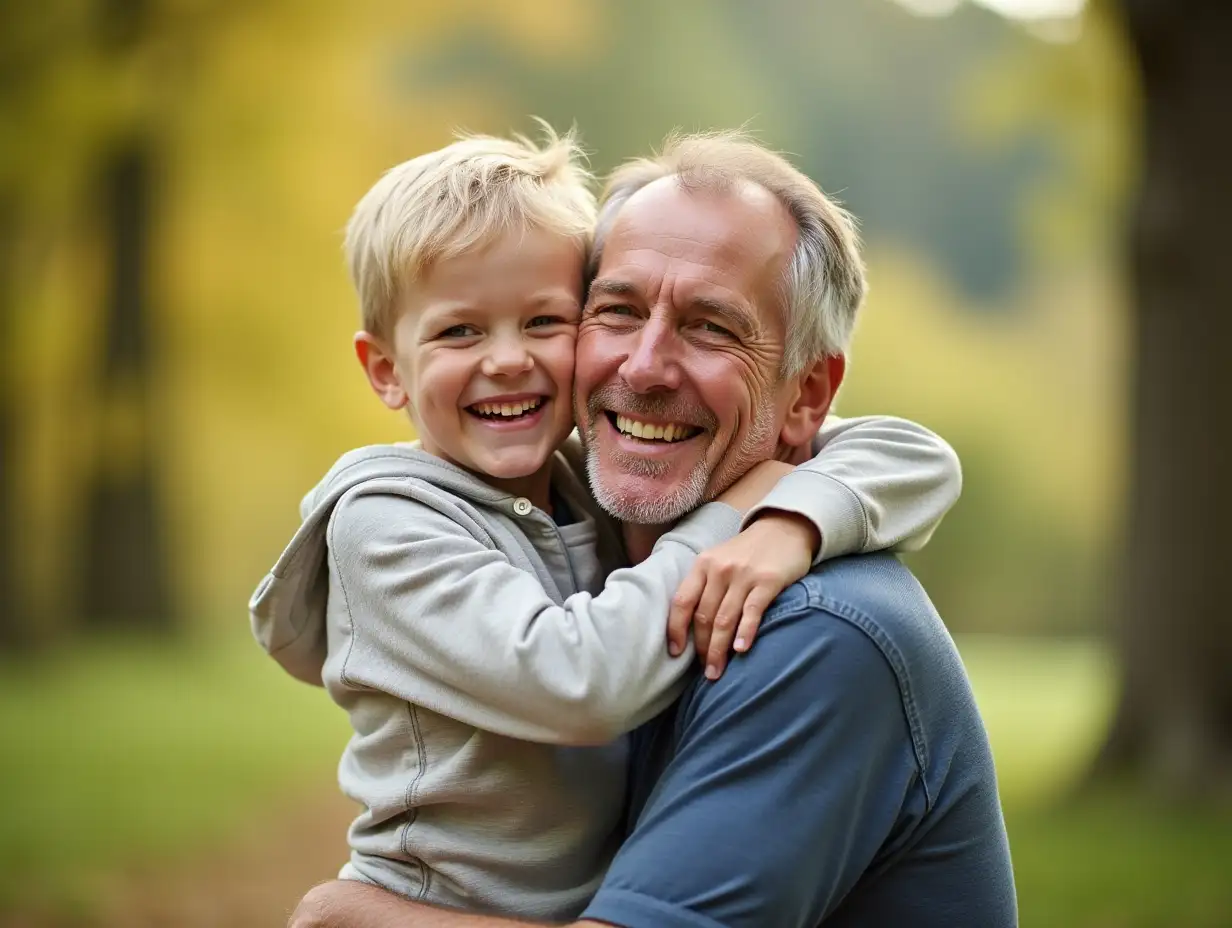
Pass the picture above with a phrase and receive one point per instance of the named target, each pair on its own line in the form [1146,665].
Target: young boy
[463,597]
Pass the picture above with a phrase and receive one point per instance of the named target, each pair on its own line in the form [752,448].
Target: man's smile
[649,431]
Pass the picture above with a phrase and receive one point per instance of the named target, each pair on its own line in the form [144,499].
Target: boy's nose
[508,358]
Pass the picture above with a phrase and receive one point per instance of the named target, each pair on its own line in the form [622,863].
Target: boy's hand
[731,585]
[753,487]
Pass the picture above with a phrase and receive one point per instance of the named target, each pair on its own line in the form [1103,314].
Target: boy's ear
[815,390]
[378,364]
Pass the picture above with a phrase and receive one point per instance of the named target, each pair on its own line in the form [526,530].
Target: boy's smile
[503,411]
[482,356]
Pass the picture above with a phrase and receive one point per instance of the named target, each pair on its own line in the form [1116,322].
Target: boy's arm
[438,618]
[877,483]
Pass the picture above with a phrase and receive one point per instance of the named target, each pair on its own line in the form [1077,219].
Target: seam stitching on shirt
[869,627]
[865,522]
[412,807]
[412,810]
[331,552]
[644,902]
[894,658]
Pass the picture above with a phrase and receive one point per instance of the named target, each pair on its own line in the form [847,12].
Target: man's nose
[653,363]
[507,357]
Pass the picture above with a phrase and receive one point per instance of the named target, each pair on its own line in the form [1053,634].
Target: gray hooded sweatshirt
[490,659]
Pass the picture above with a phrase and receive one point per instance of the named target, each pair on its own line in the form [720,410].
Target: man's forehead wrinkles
[706,272]
[704,245]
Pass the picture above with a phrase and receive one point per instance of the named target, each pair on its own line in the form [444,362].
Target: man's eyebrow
[735,315]
[606,286]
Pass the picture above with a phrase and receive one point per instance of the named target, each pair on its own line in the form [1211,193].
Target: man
[837,774]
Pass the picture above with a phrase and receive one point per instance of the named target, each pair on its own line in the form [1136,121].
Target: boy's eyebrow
[552,297]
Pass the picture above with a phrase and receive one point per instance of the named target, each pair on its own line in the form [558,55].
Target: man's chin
[644,499]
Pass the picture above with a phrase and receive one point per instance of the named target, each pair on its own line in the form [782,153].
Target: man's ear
[815,390]
[378,364]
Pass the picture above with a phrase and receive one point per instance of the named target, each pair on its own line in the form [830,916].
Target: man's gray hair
[824,283]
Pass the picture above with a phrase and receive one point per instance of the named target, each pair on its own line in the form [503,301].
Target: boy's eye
[546,320]
[458,331]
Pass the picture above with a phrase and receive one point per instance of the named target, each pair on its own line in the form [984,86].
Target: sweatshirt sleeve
[438,618]
[876,483]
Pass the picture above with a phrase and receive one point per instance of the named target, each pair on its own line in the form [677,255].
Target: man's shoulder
[876,593]
[879,598]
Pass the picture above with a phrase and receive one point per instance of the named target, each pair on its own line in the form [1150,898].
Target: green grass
[1113,860]
[1046,704]
[134,752]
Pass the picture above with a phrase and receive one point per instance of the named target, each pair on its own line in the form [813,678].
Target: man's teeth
[508,409]
[649,431]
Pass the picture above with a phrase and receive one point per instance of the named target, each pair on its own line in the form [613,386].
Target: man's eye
[616,309]
[715,329]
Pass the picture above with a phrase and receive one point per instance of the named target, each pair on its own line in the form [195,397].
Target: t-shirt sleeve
[785,778]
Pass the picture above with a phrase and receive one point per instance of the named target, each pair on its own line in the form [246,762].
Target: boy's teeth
[508,409]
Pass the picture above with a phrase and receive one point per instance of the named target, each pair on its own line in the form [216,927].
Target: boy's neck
[536,487]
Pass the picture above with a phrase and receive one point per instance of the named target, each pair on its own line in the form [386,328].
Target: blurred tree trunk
[12,613]
[125,580]
[1174,723]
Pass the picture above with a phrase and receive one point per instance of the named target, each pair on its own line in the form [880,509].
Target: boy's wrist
[792,524]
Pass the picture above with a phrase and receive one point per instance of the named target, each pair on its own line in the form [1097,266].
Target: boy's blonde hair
[461,197]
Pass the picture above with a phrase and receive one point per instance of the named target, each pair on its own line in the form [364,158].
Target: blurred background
[1043,191]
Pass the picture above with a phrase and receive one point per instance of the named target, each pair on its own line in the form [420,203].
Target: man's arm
[351,904]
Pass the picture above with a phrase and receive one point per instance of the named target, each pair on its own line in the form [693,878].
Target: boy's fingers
[683,605]
[707,607]
[758,602]
[724,629]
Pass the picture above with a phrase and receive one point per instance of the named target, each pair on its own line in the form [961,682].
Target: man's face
[678,388]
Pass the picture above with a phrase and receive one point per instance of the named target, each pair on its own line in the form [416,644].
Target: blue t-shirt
[837,774]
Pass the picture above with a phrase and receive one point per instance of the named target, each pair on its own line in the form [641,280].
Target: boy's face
[482,352]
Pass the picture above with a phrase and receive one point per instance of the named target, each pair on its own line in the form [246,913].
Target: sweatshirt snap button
[522,506]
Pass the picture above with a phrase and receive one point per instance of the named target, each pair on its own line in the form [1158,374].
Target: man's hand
[352,904]
[731,585]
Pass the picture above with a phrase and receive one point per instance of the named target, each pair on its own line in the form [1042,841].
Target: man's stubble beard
[696,488]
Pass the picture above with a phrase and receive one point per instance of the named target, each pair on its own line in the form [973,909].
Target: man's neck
[794,455]
[640,540]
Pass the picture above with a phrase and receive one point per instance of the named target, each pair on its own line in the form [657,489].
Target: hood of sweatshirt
[288,609]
